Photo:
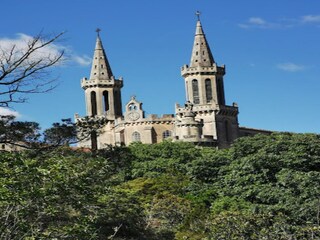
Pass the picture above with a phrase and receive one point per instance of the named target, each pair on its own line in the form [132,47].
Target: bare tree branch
[28,69]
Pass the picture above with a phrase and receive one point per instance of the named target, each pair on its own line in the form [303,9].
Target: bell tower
[102,90]
[204,89]
[203,77]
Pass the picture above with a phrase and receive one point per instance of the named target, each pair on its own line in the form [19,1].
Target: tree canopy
[263,187]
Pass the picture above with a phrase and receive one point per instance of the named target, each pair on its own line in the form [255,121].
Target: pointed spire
[199,30]
[100,65]
[201,53]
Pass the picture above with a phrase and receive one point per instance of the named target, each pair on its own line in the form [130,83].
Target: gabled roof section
[100,65]
[201,53]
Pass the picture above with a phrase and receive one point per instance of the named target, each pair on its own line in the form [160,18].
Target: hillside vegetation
[263,187]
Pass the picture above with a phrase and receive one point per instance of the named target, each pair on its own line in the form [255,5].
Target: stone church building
[205,119]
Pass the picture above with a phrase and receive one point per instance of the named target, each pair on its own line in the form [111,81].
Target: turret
[187,128]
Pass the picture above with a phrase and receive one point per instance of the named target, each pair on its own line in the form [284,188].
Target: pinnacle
[199,30]
[201,53]
[100,65]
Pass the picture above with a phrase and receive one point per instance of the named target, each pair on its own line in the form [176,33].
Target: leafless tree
[27,69]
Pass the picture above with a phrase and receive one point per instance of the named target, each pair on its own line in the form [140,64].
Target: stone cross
[98,30]
[198,15]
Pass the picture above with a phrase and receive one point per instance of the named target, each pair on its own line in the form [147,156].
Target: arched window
[136,137]
[132,107]
[106,100]
[118,103]
[166,134]
[93,103]
[195,91]
[208,90]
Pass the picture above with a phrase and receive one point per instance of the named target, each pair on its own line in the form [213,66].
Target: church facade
[204,119]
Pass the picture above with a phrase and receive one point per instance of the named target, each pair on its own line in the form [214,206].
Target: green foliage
[263,187]
[231,204]
[281,175]
[17,132]
[163,158]
[61,133]
[60,196]
[209,165]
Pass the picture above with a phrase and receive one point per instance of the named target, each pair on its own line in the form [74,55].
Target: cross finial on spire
[98,30]
[198,13]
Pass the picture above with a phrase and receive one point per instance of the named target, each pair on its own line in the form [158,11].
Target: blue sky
[270,49]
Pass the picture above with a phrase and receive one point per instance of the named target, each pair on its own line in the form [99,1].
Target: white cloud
[82,60]
[50,51]
[20,43]
[257,21]
[311,19]
[243,25]
[6,112]
[291,67]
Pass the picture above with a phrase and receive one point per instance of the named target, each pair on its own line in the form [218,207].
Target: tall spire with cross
[203,77]
[201,53]
[102,90]
[204,87]
[100,65]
